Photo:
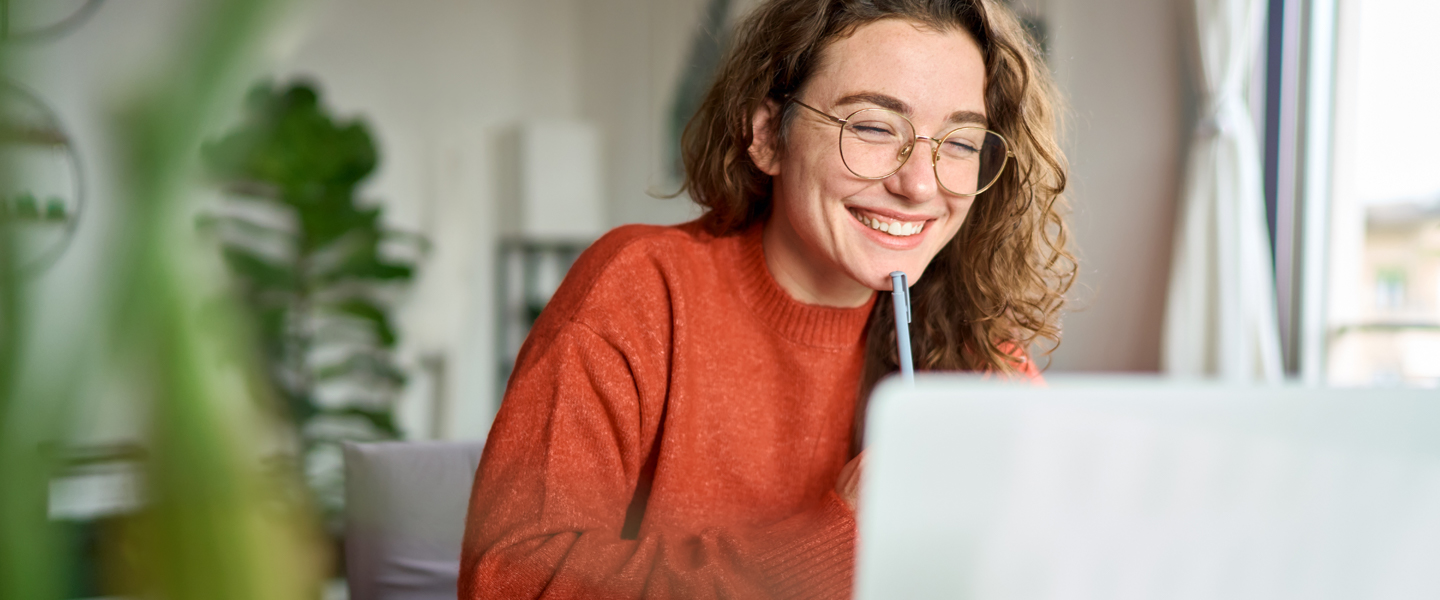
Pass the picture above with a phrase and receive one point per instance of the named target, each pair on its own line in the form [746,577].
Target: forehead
[934,71]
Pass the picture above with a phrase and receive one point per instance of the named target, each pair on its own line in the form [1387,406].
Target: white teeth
[896,229]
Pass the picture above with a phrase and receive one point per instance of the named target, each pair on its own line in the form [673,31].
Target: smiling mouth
[889,226]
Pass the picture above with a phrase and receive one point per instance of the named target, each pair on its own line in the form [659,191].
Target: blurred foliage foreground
[216,522]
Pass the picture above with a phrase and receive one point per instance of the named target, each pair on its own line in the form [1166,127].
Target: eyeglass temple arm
[833,119]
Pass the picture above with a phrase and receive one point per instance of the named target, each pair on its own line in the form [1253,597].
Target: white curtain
[1220,314]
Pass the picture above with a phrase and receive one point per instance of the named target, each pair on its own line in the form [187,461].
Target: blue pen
[900,292]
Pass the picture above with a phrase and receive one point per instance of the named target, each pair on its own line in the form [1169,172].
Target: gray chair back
[405,505]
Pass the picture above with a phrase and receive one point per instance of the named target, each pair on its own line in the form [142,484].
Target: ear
[762,137]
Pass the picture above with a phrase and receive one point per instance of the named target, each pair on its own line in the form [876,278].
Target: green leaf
[258,271]
[369,365]
[287,138]
[371,312]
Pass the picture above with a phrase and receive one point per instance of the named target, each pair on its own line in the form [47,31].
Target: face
[822,242]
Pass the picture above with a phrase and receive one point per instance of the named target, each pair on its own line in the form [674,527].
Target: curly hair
[999,285]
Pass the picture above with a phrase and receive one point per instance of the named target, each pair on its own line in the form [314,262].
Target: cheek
[817,161]
[959,210]
[960,207]
[815,187]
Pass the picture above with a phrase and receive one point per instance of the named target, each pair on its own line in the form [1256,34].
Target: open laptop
[1128,488]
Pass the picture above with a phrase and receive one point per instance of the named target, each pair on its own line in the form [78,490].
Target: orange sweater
[674,428]
[670,360]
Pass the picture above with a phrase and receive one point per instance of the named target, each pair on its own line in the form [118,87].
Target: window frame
[1300,68]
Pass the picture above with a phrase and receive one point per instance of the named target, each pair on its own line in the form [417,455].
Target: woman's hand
[848,485]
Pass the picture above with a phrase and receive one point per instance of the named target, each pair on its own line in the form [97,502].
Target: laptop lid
[1143,488]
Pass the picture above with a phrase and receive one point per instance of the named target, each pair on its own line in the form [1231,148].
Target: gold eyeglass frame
[909,149]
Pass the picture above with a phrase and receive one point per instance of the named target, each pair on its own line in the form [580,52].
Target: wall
[633,50]
[1122,66]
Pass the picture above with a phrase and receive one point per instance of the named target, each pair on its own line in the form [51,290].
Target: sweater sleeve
[558,475]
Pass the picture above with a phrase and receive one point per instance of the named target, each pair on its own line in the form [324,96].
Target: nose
[915,181]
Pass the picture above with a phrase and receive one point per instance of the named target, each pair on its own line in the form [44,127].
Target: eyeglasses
[876,142]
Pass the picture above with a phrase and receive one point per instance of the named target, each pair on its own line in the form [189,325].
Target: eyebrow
[899,106]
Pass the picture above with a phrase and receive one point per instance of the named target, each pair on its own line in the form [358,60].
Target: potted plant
[319,270]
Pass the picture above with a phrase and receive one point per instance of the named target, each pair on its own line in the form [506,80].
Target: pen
[900,291]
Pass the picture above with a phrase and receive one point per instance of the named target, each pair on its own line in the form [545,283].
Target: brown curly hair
[998,286]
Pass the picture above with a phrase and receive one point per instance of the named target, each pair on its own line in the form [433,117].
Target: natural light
[1385,249]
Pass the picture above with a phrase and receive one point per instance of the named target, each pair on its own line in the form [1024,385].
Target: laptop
[1120,488]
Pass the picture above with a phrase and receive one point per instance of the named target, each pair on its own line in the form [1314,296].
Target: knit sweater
[671,359]
[674,428]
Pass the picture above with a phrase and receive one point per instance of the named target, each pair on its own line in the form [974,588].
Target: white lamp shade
[559,180]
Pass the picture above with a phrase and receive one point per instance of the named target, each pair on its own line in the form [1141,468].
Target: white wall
[1122,66]
[633,51]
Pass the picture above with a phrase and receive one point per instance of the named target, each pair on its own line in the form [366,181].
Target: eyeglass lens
[874,144]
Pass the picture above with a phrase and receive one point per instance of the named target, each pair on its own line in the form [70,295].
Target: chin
[880,283]
[878,277]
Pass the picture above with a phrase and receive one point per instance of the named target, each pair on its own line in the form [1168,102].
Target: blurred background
[389,192]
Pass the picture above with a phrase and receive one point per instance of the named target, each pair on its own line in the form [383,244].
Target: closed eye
[873,129]
[959,148]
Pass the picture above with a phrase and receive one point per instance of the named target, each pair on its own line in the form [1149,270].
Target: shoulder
[633,246]
[630,273]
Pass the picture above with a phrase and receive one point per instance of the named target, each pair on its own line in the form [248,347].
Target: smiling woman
[680,422]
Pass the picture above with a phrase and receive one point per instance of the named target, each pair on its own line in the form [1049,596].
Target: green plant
[313,267]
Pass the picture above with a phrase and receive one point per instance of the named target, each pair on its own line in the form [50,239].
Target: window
[1383,309]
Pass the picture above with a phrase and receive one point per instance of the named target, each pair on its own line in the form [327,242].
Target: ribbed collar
[809,324]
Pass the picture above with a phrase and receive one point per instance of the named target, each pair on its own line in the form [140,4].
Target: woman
[679,422]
